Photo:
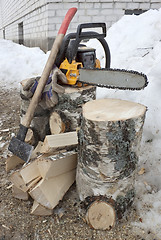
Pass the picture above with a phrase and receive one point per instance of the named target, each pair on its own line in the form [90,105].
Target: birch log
[108,150]
[65,116]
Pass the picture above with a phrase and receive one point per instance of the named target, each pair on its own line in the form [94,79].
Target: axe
[17,144]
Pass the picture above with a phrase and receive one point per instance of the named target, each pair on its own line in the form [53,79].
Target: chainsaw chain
[116,87]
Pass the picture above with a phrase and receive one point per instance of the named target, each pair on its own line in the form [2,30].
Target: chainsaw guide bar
[113,78]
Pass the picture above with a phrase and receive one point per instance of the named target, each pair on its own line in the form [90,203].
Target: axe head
[20,149]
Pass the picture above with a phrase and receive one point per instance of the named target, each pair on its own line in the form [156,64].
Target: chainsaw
[80,65]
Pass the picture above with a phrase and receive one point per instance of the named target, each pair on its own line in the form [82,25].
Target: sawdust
[67,221]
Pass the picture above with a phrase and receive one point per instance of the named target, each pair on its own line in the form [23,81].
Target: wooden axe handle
[48,67]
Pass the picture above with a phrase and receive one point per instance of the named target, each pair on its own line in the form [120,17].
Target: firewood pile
[48,175]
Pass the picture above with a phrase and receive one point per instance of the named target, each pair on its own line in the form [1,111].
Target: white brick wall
[42,18]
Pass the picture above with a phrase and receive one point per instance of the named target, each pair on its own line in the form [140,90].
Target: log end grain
[112,110]
[101,215]
[56,124]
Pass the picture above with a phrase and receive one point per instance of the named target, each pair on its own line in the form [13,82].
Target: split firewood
[48,192]
[19,194]
[26,177]
[59,141]
[39,210]
[58,164]
[12,162]
[30,173]
[56,124]
[101,215]
[37,150]
[18,181]
[30,139]
[141,171]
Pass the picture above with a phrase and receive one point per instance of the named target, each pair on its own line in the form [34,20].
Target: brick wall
[42,18]
[33,15]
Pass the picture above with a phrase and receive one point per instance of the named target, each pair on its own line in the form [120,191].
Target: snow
[135,44]
[18,62]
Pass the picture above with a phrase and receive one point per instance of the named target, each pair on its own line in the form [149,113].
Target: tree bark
[108,150]
[69,106]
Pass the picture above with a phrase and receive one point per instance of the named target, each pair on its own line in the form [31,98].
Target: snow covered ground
[135,43]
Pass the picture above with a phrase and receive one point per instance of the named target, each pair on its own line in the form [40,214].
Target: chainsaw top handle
[82,26]
[71,42]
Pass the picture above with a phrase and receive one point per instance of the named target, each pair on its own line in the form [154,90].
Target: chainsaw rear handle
[48,67]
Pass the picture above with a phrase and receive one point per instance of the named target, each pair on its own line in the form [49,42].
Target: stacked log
[64,117]
[40,121]
[108,150]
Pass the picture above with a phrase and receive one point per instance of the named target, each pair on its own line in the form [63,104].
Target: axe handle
[48,67]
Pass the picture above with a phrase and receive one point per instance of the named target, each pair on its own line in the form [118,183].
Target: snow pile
[18,62]
[135,43]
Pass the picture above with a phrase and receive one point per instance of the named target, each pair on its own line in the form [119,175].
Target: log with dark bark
[64,117]
[69,107]
[108,149]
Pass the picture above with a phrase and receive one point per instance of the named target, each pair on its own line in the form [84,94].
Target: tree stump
[108,150]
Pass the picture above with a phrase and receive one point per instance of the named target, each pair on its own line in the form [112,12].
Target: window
[134,11]
[20,33]
[4,35]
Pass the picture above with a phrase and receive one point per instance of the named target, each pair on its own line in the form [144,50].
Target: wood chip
[142,171]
